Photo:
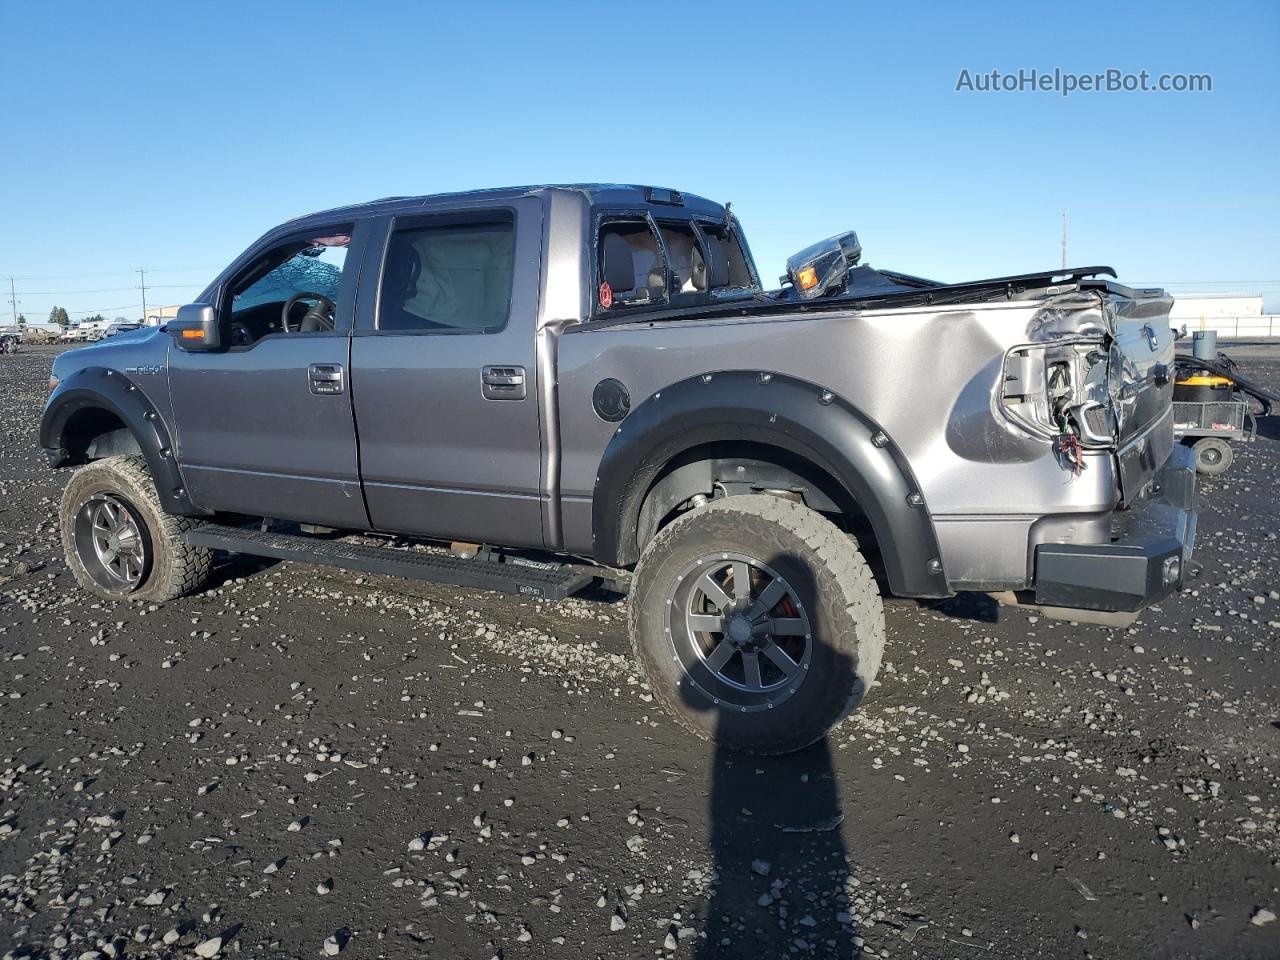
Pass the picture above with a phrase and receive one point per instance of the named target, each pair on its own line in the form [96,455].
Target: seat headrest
[618,263]
[717,267]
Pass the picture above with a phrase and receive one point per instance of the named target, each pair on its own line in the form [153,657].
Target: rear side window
[448,278]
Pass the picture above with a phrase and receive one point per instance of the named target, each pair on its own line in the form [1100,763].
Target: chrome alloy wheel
[740,631]
[112,543]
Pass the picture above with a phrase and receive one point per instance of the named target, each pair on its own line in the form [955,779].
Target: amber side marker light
[53,384]
[807,278]
[192,334]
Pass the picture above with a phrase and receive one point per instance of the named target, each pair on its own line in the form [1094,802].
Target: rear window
[646,257]
[449,278]
[684,255]
[726,249]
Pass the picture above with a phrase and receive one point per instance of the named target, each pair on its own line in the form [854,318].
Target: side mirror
[618,264]
[195,327]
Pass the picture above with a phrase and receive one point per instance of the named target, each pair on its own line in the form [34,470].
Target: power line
[114,273]
[76,293]
[103,310]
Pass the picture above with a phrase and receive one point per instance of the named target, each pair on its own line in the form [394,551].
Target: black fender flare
[782,411]
[102,388]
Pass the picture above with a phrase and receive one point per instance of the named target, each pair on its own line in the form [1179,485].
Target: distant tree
[22,319]
[59,316]
[96,318]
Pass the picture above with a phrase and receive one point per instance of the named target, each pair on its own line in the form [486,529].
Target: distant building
[1188,307]
[1231,314]
[158,315]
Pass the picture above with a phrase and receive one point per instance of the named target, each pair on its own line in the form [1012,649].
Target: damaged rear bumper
[1146,559]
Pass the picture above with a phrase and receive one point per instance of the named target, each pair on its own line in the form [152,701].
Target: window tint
[448,278]
[684,257]
[650,275]
[726,249]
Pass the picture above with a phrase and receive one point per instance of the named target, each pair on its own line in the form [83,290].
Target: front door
[264,426]
[443,376]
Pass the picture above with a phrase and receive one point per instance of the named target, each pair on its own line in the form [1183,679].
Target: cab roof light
[670,198]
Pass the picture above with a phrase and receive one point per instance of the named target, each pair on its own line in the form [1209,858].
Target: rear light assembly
[1060,388]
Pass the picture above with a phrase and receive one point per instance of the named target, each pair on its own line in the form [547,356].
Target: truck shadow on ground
[976,607]
[233,566]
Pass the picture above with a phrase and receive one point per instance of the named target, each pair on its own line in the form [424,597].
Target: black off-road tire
[173,568]
[833,584]
[1213,456]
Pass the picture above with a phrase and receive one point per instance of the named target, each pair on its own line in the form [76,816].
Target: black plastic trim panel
[105,389]
[1147,559]
[766,408]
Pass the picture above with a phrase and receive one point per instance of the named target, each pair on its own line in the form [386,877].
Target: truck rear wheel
[119,542]
[758,622]
[1213,456]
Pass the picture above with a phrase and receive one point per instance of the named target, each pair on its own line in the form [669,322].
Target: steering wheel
[319,317]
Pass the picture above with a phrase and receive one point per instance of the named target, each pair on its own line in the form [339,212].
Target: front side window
[448,278]
[291,288]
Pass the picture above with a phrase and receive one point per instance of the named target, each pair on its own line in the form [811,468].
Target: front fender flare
[782,411]
[102,388]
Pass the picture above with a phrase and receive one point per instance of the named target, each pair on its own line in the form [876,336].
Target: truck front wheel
[758,623]
[119,542]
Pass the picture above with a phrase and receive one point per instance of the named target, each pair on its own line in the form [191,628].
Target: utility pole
[13,302]
[1064,239]
[142,276]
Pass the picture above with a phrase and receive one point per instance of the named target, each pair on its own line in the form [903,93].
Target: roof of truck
[607,194]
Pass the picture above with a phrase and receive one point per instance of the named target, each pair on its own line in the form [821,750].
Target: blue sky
[169,136]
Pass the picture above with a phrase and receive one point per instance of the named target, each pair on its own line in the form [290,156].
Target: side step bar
[551,581]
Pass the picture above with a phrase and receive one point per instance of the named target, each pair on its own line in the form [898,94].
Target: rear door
[443,375]
[264,427]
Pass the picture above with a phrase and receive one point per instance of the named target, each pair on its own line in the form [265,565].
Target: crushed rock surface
[306,762]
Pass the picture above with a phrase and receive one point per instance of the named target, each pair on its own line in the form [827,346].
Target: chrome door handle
[325,379]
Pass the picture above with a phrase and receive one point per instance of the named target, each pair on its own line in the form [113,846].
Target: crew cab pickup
[535,388]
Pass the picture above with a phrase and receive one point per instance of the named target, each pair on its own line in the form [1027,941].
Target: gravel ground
[304,762]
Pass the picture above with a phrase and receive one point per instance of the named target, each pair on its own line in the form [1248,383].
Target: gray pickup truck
[538,388]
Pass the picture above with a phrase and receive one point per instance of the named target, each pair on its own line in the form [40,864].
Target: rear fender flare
[102,388]
[791,414]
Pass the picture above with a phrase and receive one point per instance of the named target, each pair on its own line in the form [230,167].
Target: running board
[525,578]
